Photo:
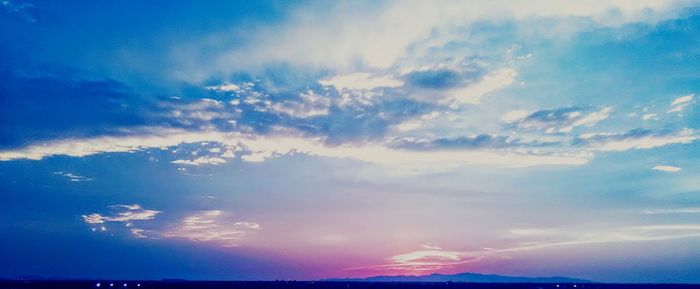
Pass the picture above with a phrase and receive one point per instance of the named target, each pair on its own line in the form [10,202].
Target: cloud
[68,106]
[309,105]
[672,211]
[384,33]
[561,120]
[637,233]
[429,260]
[670,169]
[433,259]
[73,177]
[635,139]
[650,116]
[472,93]
[514,116]
[434,79]
[138,233]
[679,104]
[481,141]
[205,160]
[263,147]
[212,226]
[360,81]
[121,214]
[224,87]
[196,112]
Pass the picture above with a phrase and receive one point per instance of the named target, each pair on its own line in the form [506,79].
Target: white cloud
[592,118]
[670,169]
[93,219]
[205,160]
[431,259]
[514,116]
[360,81]
[622,142]
[420,122]
[679,104]
[73,177]
[228,154]
[228,87]
[212,226]
[203,109]
[123,214]
[379,35]
[472,93]
[560,120]
[673,211]
[430,247]
[310,105]
[138,233]
[265,147]
[650,116]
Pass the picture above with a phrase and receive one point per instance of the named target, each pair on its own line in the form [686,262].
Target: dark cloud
[34,108]
[482,141]
[634,134]
[434,79]
[560,120]
[558,115]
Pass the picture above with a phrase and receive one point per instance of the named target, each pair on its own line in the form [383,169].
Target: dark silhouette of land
[463,277]
[181,284]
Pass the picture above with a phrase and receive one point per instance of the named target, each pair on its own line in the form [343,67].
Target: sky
[265,140]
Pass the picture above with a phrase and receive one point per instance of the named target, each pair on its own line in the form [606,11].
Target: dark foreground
[315,285]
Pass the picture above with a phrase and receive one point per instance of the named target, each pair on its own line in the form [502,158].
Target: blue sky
[303,139]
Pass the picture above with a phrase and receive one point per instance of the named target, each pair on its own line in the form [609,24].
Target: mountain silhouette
[462,277]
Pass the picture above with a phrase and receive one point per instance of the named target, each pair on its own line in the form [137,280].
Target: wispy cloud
[308,105]
[360,81]
[672,211]
[73,177]
[679,104]
[472,93]
[205,160]
[434,259]
[265,147]
[561,120]
[123,214]
[212,226]
[635,139]
[663,168]
[384,34]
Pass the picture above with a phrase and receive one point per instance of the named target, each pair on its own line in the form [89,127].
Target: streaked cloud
[224,87]
[205,160]
[679,104]
[73,177]
[561,120]
[121,214]
[212,226]
[535,239]
[636,139]
[265,147]
[472,93]
[384,34]
[664,168]
[308,105]
[361,81]
[690,210]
